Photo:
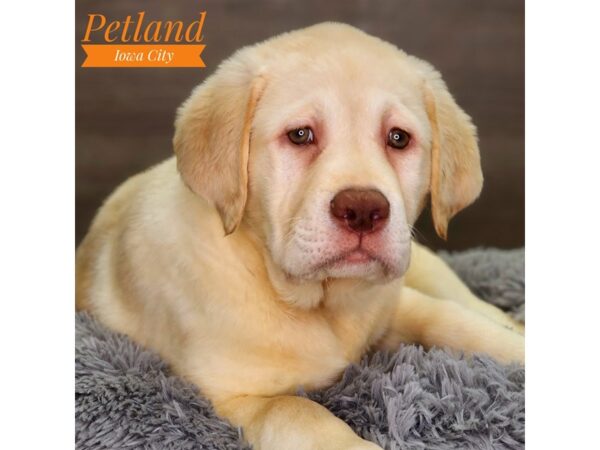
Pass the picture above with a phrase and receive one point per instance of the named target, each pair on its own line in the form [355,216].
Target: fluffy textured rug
[126,397]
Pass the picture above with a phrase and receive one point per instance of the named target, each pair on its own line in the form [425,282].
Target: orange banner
[122,55]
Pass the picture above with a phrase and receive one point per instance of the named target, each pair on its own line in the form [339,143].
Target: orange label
[123,55]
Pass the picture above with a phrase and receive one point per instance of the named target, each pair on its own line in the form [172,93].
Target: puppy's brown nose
[360,210]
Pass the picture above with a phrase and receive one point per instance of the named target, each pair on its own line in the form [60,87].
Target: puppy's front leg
[430,321]
[289,422]
[429,274]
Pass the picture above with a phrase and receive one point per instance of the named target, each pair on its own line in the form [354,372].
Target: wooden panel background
[124,117]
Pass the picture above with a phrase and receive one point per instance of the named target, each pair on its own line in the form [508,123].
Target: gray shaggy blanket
[126,397]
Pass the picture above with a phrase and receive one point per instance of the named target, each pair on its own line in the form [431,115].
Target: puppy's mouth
[368,257]
[355,257]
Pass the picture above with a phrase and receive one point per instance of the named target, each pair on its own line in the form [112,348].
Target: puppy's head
[327,143]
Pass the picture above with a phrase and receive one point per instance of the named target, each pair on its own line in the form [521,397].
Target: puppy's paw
[517,327]
[514,350]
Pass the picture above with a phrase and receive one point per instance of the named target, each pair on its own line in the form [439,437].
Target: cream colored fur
[226,261]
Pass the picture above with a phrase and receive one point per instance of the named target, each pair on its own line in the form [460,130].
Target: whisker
[417,235]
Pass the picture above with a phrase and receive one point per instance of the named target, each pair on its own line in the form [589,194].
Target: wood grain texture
[124,117]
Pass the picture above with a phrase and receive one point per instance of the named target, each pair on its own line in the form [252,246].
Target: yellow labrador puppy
[275,248]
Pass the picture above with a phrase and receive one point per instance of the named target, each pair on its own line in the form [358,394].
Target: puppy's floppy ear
[456,177]
[212,138]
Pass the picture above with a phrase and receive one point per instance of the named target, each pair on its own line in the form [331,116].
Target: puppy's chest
[280,354]
[308,356]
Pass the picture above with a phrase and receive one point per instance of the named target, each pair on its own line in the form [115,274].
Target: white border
[37,226]
[562,226]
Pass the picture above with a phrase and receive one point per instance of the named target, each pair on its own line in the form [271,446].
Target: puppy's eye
[301,136]
[398,138]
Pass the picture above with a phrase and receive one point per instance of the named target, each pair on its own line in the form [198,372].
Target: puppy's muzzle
[360,210]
